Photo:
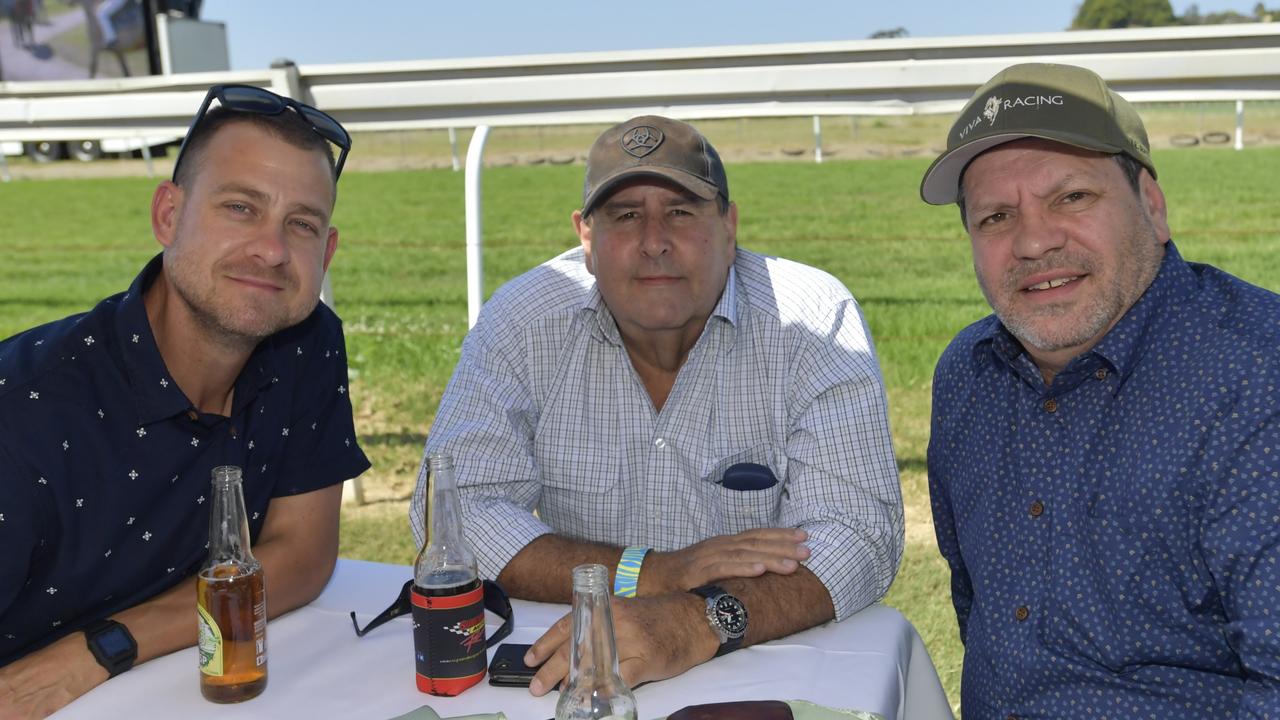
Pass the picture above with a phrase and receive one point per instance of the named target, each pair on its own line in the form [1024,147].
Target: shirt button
[1022,613]
[1050,405]
[1011,717]
[192,414]
[1101,373]
[660,443]
[1037,509]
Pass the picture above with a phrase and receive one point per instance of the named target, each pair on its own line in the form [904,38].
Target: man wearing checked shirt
[661,388]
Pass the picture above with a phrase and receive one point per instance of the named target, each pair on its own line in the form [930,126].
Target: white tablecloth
[318,668]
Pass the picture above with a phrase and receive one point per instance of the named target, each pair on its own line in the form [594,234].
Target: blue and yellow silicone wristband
[627,577]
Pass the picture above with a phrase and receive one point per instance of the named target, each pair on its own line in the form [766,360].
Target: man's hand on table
[746,554]
[657,638]
[46,680]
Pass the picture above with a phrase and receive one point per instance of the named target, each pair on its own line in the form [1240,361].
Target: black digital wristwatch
[112,645]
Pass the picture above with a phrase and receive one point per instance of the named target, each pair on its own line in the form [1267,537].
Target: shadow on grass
[394,439]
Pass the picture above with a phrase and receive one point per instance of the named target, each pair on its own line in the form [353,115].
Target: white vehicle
[87,150]
[127,38]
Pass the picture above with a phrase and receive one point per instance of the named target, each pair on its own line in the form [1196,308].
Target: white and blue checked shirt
[545,412]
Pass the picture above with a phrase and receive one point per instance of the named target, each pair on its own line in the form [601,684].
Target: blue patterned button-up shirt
[105,465]
[1114,537]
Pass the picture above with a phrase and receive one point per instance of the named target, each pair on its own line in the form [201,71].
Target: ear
[166,205]
[1153,202]
[331,246]
[583,228]
[731,224]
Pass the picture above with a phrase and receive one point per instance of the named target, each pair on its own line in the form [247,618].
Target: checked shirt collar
[729,308]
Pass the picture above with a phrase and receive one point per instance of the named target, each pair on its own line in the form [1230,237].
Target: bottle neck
[446,560]
[228,522]
[593,657]
[445,513]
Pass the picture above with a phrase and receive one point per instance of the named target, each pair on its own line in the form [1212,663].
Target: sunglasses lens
[328,128]
[251,99]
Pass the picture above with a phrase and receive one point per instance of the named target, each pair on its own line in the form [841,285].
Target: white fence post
[1239,124]
[817,139]
[453,148]
[475,242]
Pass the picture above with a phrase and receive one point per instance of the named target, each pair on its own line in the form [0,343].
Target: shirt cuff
[497,530]
[855,569]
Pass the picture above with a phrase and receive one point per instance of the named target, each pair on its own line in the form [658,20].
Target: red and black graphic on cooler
[448,637]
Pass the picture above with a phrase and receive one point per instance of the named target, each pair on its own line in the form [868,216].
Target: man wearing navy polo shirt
[1103,455]
[111,421]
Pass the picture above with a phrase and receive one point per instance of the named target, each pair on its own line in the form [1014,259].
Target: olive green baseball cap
[1063,103]
[656,147]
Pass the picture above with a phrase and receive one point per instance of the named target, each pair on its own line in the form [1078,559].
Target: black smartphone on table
[507,668]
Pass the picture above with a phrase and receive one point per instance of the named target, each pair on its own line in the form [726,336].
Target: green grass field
[399,282]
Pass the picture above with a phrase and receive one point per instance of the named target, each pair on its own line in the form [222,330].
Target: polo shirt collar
[156,395]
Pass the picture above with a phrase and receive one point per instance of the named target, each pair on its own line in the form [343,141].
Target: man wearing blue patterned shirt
[1103,458]
[661,388]
[111,421]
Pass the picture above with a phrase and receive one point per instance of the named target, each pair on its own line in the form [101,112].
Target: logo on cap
[641,140]
[992,109]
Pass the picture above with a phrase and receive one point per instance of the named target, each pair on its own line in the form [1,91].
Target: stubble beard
[1060,326]
[225,322]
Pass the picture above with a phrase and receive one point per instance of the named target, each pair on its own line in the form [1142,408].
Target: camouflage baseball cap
[653,146]
[1064,103]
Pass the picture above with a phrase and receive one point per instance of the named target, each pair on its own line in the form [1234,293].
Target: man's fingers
[551,640]
[632,671]
[554,671]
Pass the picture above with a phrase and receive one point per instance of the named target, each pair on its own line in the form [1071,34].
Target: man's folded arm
[486,422]
[842,477]
[298,547]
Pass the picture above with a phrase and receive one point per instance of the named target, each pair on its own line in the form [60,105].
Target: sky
[347,31]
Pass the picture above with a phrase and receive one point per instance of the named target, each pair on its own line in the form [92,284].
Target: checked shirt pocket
[744,509]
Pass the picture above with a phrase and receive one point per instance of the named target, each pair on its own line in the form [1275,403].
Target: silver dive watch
[727,616]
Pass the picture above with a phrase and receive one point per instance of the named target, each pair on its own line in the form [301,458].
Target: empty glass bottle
[448,598]
[595,690]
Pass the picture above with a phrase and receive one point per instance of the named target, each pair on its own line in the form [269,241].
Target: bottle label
[448,639]
[209,643]
[260,628]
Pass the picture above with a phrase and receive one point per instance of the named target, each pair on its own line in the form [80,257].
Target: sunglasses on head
[252,99]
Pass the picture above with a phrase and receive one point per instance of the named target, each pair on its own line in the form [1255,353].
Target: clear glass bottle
[447,597]
[446,561]
[231,600]
[595,690]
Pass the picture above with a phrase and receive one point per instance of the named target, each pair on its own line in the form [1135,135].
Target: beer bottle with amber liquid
[448,597]
[231,600]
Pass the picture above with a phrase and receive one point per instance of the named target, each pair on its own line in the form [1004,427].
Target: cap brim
[694,184]
[941,183]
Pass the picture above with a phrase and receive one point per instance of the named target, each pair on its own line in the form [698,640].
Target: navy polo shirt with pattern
[105,465]
[1114,537]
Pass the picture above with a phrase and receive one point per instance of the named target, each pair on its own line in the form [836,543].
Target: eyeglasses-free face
[256,100]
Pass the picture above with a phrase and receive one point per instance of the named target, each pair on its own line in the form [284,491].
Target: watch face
[732,615]
[114,642]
